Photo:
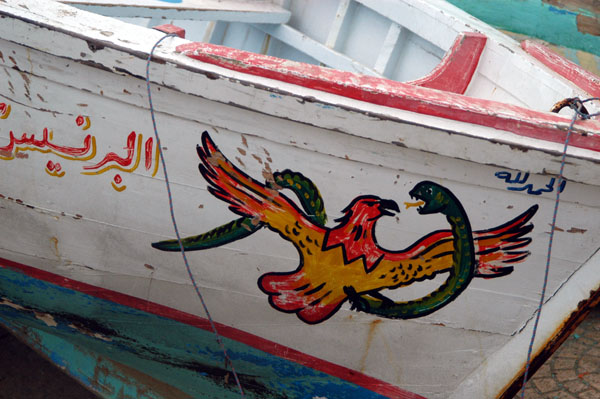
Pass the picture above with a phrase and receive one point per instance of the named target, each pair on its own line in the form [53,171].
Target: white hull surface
[83,194]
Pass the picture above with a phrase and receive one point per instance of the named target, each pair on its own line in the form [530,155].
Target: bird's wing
[245,195]
[496,249]
[291,292]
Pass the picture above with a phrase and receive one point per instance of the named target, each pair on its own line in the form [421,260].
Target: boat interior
[431,44]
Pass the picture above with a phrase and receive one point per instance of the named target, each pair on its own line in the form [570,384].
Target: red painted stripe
[422,100]
[455,71]
[370,383]
[585,80]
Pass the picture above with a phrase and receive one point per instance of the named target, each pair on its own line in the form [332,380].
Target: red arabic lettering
[112,157]
[148,153]
[45,143]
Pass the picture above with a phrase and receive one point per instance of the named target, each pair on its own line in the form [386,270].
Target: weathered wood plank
[200,10]
[565,68]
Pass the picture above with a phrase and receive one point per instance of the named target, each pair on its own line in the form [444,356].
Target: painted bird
[347,255]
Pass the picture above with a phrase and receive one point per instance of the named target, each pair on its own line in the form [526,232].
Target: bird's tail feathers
[503,246]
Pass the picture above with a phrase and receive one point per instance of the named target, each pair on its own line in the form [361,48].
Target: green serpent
[437,199]
[303,187]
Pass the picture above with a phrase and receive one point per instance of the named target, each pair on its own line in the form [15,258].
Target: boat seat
[453,74]
[455,71]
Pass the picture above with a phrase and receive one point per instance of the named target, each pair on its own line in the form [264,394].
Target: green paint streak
[534,18]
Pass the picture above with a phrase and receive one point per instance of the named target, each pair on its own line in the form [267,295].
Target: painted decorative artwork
[345,262]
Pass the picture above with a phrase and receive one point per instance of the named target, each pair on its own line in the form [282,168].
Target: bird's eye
[429,191]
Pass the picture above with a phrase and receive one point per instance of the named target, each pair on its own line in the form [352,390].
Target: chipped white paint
[8,303]
[346,146]
[48,319]
[256,11]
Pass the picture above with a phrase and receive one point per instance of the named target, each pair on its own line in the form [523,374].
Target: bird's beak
[385,206]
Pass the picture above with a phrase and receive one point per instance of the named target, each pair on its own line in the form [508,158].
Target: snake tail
[229,232]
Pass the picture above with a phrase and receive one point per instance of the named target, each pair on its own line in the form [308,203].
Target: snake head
[433,195]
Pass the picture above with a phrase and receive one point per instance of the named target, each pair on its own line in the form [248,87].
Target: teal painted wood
[122,352]
[538,18]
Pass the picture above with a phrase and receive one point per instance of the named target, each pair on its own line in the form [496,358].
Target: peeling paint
[134,350]
[46,318]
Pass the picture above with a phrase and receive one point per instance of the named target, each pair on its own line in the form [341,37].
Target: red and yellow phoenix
[348,255]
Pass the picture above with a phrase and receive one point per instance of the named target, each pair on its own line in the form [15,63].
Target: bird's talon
[356,301]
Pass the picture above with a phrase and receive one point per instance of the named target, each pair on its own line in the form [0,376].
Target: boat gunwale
[500,116]
[399,95]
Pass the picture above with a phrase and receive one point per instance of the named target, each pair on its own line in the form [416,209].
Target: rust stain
[244,141]
[260,161]
[370,336]
[556,228]
[2,56]
[25,78]
[147,266]
[267,173]
[54,241]
[40,97]
[576,230]
[240,162]
[242,151]
[126,91]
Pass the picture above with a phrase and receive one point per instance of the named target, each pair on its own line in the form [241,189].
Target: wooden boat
[437,301]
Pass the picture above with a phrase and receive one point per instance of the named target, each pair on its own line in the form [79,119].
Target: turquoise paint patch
[171,1]
[533,18]
[188,358]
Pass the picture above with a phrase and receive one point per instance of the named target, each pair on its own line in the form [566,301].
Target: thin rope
[576,105]
[228,362]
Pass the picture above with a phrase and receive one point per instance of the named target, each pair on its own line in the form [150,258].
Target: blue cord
[168,186]
[576,106]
